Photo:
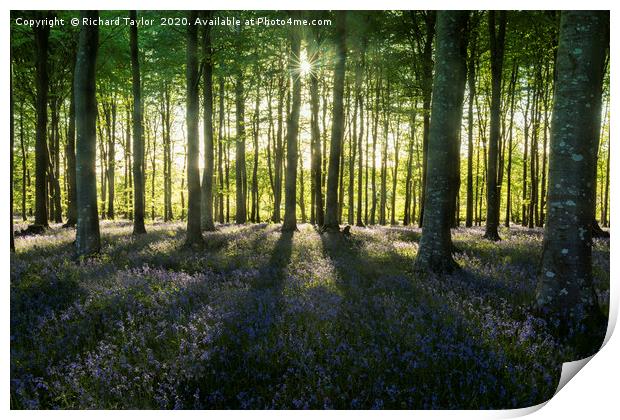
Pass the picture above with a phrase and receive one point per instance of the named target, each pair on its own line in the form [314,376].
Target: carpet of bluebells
[261,319]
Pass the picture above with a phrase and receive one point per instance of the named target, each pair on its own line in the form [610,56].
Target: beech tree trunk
[565,291]
[207,80]
[292,128]
[41,37]
[435,252]
[138,140]
[194,233]
[496,37]
[331,211]
[87,239]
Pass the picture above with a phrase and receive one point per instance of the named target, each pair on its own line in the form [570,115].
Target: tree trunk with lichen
[331,211]
[435,253]
[292,129]
[194,233]
[87,238]
[496,37]
[565,294]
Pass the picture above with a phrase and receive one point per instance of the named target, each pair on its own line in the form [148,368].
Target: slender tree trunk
[471,82]
[24,157]
[375,133]
[565,291]
[393,220]
[12,139]
[227,164]
[409,192]
[70,153]
[360,101]
[194,233]
[435,253]
[533,159]
[543,172]
[207,80]
[513,81]
[255,216]
[526,128]
[138,141]
[292,128]
[427,91]
[220,147]
[111,159]
[87,234]
[240,216]
[316,134]
[352,156]
[279,153]
[386,122]
[496,36]
[41,36]
[331,211]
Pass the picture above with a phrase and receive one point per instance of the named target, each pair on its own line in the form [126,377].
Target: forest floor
[260,319]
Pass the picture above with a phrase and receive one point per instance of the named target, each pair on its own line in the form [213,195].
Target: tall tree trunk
[471,82]
[41,37]
[54,161]
[220,151]
[207,80]
[513,82]
[279,153]
[435,253]
[409,192]
[24,156]
[526,128]
[375,134]
[292,128]
[255,213]
[87,239]
[70,153]
[315,132]
[111,159]
[138,141]
[331,211]
[543,172]
[532,214]
[496,37]
[393,220]
[360,101]
[241,214]
[12,138]
[227,164]
[352,156]
[427,91]
[386,125]
[194,233]
[565,291]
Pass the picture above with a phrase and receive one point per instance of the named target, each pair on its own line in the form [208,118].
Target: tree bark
[435,252]
[565,291]
[315,132]
[240,211]
[471,82]
[207,76]
[292,128]
[41,37]
[194,233]
[331,211]
[138,140]
[427,91]
[496,37]
[87,234]
[111,158]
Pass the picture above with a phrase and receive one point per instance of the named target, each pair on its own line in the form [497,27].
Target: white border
[593,394]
